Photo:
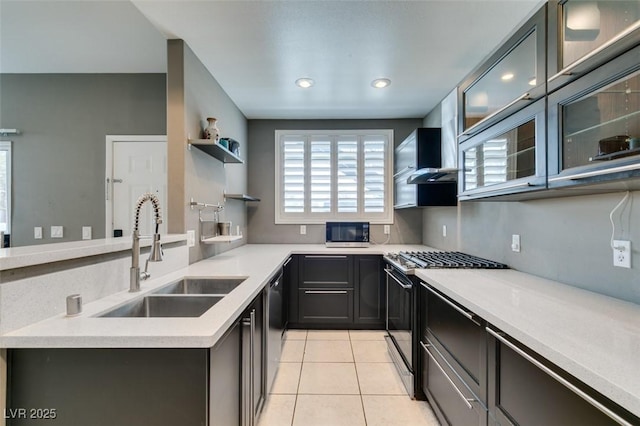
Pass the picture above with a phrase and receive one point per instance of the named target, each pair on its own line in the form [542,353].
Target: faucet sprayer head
[156,254]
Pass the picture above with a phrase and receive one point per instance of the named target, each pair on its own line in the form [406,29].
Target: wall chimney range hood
[431,175]
[448,170]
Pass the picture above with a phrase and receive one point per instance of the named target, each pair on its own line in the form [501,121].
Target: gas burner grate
[450,260]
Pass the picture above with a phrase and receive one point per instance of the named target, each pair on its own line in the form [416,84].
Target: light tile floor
[335,378]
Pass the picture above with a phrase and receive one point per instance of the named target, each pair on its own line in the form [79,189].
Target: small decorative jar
[211,131]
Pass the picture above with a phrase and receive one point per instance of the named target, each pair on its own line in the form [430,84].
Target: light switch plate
[57,232]
[444,230]
[303,229]
[191,238]
[37,232]
[515,243]
[86,232]
[387,229]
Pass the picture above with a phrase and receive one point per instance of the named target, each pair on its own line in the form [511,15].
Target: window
[333,175]
[5,187]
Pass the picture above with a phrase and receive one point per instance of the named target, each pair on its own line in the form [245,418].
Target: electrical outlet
[622,253]
[86,232]
[191,238]
[57,232]
[444,230]
[515,243]
[303,229]
[37,232]
[387,229]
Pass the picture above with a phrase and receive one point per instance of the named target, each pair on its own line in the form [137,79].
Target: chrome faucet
[155,255]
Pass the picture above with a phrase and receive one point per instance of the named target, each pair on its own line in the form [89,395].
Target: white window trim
[320,218]
[6,146]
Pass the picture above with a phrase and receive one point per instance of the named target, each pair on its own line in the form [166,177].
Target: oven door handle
[403,285]
[470,315]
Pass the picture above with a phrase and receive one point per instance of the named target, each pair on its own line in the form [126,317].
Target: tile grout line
[295,403]
[355,367]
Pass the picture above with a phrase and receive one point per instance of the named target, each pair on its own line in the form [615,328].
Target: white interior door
[139,165]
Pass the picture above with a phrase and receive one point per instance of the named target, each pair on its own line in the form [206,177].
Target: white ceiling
[257,49]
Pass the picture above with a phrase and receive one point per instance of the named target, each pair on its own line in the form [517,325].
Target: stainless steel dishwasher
[276,327]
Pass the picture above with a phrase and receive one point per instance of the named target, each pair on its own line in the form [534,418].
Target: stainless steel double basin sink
[188,297]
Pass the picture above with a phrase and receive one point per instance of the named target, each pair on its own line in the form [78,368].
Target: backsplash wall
[407,227]
[563,239]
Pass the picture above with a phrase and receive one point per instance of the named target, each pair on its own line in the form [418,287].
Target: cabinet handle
[323,256]
[492,190]
[568,69]
[559,378]
[628,167]
[287,262]
[466,400]
[476,127]
[325,292]
[403,170]
[470,315]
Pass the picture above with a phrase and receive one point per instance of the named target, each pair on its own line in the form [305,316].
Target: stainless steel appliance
[347,234]
[276,328]
[403,309]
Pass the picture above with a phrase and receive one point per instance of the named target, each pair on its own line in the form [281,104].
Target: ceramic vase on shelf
[211,131]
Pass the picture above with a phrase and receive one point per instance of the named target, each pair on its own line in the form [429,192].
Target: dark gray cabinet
[369,300]
[453,360]
[225,378]
[340,291]
[523,391]
[107,387]
[325,289]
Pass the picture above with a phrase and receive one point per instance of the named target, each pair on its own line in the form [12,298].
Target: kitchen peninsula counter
[594,337]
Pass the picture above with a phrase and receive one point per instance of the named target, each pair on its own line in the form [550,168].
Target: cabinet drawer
[452,401]
[523,393]
[325,306]
[326,271]
[460,339]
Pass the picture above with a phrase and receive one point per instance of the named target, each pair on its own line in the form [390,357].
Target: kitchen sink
[193,285]
[164,306]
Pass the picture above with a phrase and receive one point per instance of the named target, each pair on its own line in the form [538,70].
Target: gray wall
[407,227]
[195,95]
[59,159]
[563,239]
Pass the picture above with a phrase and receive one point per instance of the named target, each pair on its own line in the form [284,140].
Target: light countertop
[594,337]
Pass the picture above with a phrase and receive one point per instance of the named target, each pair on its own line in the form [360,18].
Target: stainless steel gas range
[403,309]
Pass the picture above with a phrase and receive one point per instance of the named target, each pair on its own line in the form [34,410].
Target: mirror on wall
[72,73]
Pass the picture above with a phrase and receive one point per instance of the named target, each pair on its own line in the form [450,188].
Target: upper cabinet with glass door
[585,34]
[594,127]
[507,159]
[512,78]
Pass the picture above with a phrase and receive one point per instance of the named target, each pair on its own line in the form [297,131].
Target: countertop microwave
[347,234]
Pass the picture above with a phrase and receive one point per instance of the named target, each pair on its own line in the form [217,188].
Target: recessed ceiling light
[507,76]
[532,82]
[305,83]
[381,83]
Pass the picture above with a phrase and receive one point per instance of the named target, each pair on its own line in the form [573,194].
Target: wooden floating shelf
[216,150]
[221,239]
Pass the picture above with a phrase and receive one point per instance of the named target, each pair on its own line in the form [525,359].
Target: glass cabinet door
[602,125]
[505,157]
[594,124]
[508,157]
[508,81]
[589,32]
